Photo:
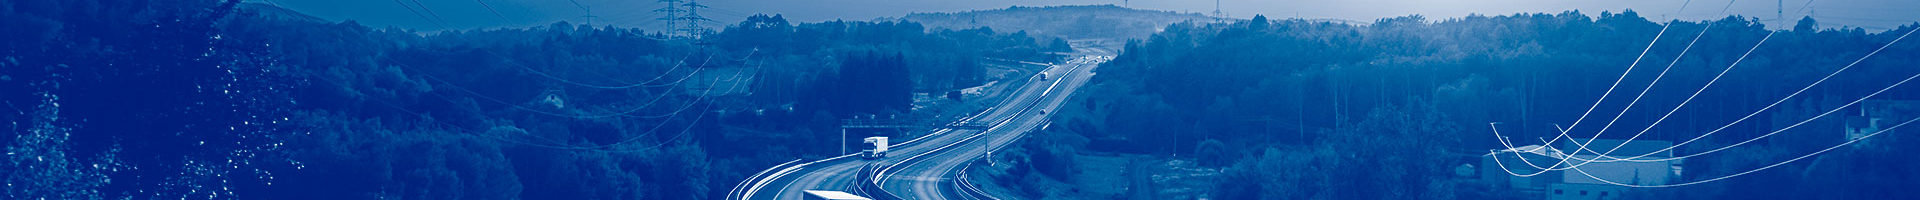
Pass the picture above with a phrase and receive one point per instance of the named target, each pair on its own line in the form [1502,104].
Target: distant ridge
[1071,22]
[268,11]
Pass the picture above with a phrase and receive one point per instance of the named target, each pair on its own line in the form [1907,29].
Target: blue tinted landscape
[1070,99]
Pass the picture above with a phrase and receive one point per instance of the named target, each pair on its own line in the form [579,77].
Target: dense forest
[221,99]
[1077,22]
[1296,109]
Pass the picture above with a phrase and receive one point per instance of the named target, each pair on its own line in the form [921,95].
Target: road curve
[839,173]
[931,175]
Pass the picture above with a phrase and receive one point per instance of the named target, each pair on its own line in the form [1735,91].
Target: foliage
[204,99]
[1067,21]
[1299,96]
[154,95]
[1389,155]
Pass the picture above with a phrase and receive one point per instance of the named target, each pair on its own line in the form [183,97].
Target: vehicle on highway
[879,148]
[832,195]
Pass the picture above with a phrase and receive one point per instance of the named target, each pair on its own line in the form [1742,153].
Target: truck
[832,195]
[879,148]
[1043,76]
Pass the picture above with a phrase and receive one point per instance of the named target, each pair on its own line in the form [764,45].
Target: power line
[1616,83]
[442,25]
[693,19]
[648,83]
[429,11]
[706,95]
[1696,93]
[1829,112]
[626,113]
[1804,89]
[496,12]
[430,119]
[1831,148]
[583,7]
[1656,81]
[672,17]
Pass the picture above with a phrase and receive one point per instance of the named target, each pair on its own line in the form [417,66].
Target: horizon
[465,15]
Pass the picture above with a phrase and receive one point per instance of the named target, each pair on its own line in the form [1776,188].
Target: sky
[431,15]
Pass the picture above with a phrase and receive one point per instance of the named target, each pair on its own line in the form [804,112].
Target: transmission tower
[589,17]
[672,11]
[1217,14]
[692,18]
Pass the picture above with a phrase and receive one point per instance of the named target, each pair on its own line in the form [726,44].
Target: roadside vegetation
[215,99]
[1296,109]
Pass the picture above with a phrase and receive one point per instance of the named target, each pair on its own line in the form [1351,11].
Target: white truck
[832,195]
[879,148]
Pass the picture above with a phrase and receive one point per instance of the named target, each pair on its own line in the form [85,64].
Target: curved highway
[932,175]
[919,168]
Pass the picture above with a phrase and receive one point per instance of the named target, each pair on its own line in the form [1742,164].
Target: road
[922,163]
[931,176]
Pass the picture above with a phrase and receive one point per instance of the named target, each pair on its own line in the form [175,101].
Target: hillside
[1297,109]
[274,12]
[1073,22]
[222,99]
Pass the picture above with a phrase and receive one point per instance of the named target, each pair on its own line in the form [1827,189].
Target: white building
[1876,115]
[1590,180]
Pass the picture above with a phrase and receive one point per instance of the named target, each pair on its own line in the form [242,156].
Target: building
[1876,115]
[1595,180]
[1495,167]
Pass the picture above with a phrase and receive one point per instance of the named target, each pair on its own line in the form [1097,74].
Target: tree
[874,83]
[1059,45]
[1212,153]
[158,81]
[1806,25]
[1258,23]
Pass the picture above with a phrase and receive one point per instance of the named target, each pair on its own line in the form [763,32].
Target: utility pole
[672,11]
[693,19]
[843,141]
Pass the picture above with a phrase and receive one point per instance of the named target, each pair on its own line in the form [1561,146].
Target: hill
[1073,22]
[275,12]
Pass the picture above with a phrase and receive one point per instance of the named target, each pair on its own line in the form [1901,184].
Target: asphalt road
[931,175]
[922,163]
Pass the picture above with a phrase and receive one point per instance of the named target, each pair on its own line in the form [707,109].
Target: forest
[222,99]
[1297,109]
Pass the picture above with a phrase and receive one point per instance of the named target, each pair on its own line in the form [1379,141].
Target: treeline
[1300,109]
[136,99]
[222,99]
[1066,21]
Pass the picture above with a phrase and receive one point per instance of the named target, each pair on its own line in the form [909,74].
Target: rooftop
[1659,148]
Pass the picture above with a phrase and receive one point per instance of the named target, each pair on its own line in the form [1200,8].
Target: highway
[920,168]
[931,175]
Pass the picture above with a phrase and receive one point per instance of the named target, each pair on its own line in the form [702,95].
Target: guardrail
[870,176]
[866,185]
[738,188]
[965,184]
[758,182]
[880,176]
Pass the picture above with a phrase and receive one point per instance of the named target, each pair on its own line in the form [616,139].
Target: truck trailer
[879,148]
[832,195]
